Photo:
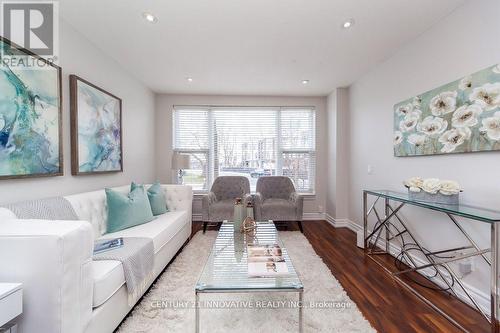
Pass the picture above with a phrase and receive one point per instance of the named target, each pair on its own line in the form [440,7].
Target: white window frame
[209,153]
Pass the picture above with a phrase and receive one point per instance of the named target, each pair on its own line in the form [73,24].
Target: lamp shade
[180,161]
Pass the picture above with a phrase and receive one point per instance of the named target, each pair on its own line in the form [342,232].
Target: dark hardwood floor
[386,304]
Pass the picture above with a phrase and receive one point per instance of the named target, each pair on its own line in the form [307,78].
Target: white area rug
[178,281]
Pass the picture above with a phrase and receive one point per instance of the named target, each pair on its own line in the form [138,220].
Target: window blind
[246,141]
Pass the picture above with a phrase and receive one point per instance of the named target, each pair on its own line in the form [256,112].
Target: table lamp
[179,163]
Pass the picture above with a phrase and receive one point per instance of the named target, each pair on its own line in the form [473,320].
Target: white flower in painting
[417,140]
[496,69]
[466,116]
[404,110]
[432,126]
[431,185]
[491,126]
[488,96]
[398,138]
[443,103]
[417,102]
[449,187]
[410,121]
[414,184]
[453,138]
[465,83]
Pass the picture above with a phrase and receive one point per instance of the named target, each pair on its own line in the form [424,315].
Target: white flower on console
[466,116]
[443,103]
[432,126]
[449,187]
[491,126]
[453,138]
[414,184]
[431,185]
[465,83]
[487,96]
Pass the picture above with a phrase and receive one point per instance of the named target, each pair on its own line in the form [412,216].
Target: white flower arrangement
[433,186]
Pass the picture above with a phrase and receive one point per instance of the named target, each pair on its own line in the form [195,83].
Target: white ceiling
[251,47]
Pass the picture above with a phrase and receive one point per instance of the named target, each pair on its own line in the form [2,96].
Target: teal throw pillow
[127,210]
[156,197]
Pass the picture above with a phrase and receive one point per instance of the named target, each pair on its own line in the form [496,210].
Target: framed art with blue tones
[96,129]
[30,114]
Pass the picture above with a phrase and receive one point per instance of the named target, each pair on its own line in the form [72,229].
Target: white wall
[164,105]
[462,43]
[79,56]
[337,192]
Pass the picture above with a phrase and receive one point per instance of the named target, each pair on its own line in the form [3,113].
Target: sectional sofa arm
[53,261]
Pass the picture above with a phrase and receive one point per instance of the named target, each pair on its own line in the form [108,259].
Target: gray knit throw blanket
[137,258]
[136,254]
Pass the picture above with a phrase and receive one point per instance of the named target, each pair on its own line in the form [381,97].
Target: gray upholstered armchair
[219,202]
[277,200]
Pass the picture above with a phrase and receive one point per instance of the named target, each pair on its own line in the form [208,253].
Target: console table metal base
[243,291]
[391,227]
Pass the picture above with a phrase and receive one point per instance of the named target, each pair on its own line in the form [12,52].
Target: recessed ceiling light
[189,79]
[149,17]
[305,81]
[348,24]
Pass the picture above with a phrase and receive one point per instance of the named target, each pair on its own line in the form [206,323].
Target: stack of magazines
[266,260]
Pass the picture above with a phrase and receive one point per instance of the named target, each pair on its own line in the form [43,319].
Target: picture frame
[32,143]
[462,116]
[96,129]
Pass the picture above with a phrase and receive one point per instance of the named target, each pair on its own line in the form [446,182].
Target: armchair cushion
[277,200]
[221,210]
[279,210]
[218,203]
[230,187]
[275,187]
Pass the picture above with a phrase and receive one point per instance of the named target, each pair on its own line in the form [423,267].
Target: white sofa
[64,290]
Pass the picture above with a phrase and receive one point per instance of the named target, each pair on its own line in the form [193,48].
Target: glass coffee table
[226,269]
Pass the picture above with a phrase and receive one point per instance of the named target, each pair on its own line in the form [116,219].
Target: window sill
[199,194]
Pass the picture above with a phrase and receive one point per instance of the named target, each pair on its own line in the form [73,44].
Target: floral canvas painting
[30,114]
[96,132]
[460,117]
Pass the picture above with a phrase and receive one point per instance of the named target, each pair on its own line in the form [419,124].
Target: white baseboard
[313,216]
[343,223]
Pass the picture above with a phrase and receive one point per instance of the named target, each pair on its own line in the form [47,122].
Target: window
[246,141]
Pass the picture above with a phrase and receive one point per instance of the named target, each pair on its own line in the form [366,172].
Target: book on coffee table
[266,260]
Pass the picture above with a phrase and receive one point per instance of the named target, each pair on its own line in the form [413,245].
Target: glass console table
[226,268]
[390,227]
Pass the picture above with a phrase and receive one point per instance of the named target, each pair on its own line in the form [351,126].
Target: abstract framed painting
[30,114]
[96,129]
[462,116]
